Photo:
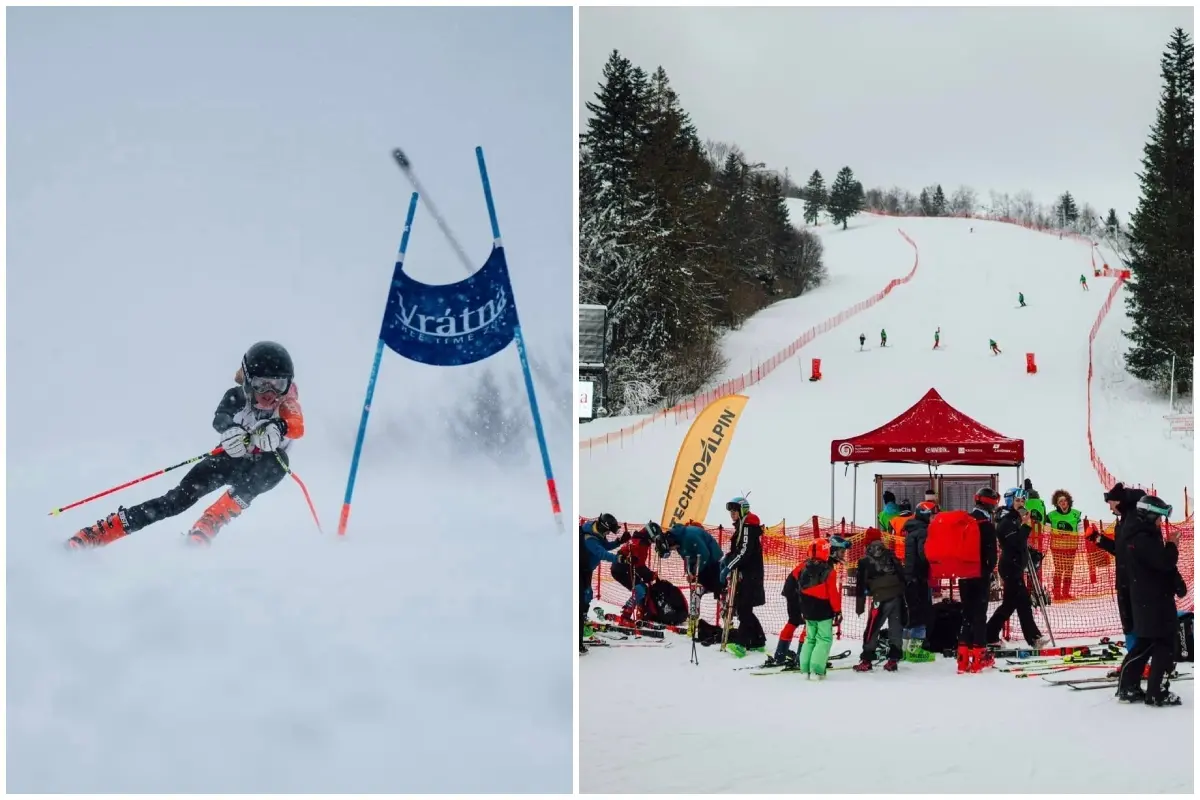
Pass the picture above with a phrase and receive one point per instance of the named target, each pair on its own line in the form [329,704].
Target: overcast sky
[1020,98]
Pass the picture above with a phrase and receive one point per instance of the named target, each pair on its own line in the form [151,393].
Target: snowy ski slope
[924,728]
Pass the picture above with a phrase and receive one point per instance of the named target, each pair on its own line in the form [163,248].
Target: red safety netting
[688,408]
[1085,606]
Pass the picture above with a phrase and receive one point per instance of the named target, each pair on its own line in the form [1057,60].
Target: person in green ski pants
[821,602]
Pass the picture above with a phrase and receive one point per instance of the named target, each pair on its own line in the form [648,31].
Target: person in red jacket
[821,604]
[634,573]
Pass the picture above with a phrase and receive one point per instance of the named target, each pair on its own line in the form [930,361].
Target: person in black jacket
[880,574]
[746,557]
[1122,502]
[973,655]
[1012,533]
[917,594]
[1150,567]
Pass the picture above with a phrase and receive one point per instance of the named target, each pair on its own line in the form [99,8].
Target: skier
[1083,282]
[896,525]
[995,348]
[1021,298]
[862,341]
[972,638]
[821,605]
[258,419]
[883,338]
[881,574]
[745,556]
[1152,573]
[917,594]
[937,338]
[1012,532]
[594,547]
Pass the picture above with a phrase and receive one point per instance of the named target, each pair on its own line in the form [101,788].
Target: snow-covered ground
[924,728]
[165,212]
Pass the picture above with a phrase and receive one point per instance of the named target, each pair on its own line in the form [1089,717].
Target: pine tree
[1111,225]
[926,201]
[939,202]
[1066,211]
[845,197]
[1161,293]
[816,198]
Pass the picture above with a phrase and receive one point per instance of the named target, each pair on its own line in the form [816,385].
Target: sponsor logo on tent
[937,449]
[902,449]
[845,449]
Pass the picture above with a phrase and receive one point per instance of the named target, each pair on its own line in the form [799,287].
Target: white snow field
[153,236]
[924,729]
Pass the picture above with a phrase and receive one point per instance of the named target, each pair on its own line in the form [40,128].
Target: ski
[1054,670]
[644,624]
[1046,651]
[648,633]
[623,642]
[781,669]
[1083,686]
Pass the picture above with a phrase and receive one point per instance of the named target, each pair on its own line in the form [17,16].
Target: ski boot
[1163,698]
[105,531]
[981,659]
[783,657]
[864,665]
[890,665]
[215,517]
[735,649]
[1133,695]
[964,659]
[1041,641]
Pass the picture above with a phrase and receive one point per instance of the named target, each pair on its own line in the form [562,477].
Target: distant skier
[1083,282]
[1021,299]
[862,341]
[994,347]
[883,338]
[258,420]
[937,338]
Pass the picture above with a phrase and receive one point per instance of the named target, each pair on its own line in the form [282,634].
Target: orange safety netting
[1086,605]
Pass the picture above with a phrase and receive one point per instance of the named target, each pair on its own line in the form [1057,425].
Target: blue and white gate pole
[379,346]
[520,339]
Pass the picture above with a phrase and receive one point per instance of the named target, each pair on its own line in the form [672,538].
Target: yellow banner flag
[699,461]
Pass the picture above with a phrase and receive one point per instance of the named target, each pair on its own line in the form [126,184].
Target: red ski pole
[311,508]
[193,460]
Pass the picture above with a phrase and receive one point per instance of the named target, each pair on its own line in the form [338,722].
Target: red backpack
[952,546]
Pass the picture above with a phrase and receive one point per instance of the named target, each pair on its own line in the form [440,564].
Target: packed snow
[924,728]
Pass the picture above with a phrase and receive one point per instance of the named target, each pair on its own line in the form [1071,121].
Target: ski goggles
[1163,510]
[264,385]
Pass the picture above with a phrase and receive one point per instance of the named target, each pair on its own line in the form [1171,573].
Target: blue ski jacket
[697,547]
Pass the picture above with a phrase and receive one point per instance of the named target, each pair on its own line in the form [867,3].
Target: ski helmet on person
[988,498]
[606,523]
[926,510]
[660,538]
[1151,507]
[1014,494]
[906,505]
[819,550]
[739,504]
[267,373]
[838,547]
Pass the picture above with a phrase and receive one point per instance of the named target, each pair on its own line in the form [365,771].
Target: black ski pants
[247,477]
[749,631]
[1160,651]
[973,593]
[1015,598]
[890,613]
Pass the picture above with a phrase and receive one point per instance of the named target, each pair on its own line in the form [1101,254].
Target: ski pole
[312,510]
[193,460]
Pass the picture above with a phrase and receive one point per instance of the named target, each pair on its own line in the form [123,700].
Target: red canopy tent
[932,432]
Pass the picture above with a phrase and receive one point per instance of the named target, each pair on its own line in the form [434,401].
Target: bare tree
[963,201]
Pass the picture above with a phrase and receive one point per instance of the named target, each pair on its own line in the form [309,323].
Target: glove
[1093,537]
[625,537]
[724,574]
[622,558]
[837,619]
[234,441]
[268,437]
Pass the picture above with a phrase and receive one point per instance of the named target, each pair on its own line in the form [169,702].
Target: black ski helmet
[988,498]
[607,523]
[267,371]
[267,360]
[1150,507]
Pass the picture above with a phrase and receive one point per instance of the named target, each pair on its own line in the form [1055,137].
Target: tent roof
[932,431]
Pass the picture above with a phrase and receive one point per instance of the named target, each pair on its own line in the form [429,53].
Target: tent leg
[832,478]
[854,506]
